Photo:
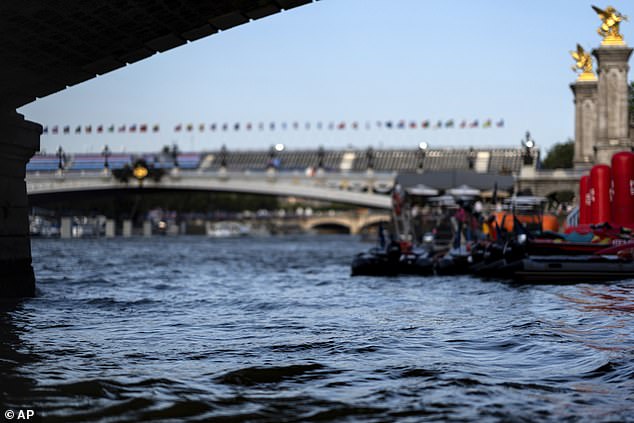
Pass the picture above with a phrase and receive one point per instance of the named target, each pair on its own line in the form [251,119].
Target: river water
[275,329]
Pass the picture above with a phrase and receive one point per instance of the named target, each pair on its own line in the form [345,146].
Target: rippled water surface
[275,329]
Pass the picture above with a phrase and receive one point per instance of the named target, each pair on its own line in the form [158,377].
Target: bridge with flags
[357,177]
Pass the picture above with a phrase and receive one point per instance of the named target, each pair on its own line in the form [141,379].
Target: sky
[338,61]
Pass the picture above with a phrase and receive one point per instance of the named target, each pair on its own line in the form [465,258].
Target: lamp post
[369,155]
[471,157]
[175,153]
[422,152]
[528,143]
[60,159]
[321,153]
[274,162]
[223,157]
[106,153]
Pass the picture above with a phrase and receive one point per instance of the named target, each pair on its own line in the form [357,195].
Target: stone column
[126,232]
[612,101]
[585,93]
[19,140]
[147,228]
[65,228]
[110,228]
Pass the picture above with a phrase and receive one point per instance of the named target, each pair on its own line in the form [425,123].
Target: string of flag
[272,126]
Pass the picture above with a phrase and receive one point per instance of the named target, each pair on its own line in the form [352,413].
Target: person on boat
[460,218]
[489,228]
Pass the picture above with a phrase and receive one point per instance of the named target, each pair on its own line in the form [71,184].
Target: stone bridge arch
[353,221]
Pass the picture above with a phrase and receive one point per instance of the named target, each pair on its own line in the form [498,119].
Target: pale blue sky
[346,60]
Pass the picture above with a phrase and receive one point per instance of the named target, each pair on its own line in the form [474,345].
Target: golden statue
[584,63]
[609,29]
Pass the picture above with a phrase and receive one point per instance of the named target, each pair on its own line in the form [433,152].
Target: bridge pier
[127,228]
[19,140]
[110,228]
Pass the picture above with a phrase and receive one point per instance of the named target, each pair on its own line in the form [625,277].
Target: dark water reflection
[276,330]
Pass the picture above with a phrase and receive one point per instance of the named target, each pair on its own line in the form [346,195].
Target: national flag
[449,123]
[500,123]
[295,125]
[67,129]
[425,124]
[201,127]
[212,126]
[143,127]
[100,129]
[368,125]
[342,125]
[474,124]
[272,126]
[331,125]
[88,129]
[463,124]
[55,129]
[78,129]
[284,126]
[412,125]
[156,127]
[487,123]
[388,124]
[355,125]
[111,128]
[236,126]
[438,124]
[320,125]
[379,124]
[122,128]
[178,128]
[307,126]
[45,130]
[401,124]
[261,126]
[190,127]
[249,126]
[132,128]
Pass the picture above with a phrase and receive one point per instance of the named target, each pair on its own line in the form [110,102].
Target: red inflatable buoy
[623,180]
[600,181]
[585,210]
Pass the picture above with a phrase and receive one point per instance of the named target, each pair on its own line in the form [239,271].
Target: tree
[560,156]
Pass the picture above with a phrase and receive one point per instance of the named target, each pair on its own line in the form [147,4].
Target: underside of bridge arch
[46,46]
[373,227]
[124,202]
[332,228]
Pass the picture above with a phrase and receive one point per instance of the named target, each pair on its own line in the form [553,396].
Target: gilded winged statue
[583,62]
[609,28]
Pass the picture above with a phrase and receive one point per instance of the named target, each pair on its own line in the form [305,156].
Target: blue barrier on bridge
[96,161]
[42,163]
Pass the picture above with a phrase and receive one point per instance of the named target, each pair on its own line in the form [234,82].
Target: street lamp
[60,158]
[321,153]
[106,153]
[471,157]
[274,162]
[528,143]
[369,155]
[422,152]
[175,153]
[223,156]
